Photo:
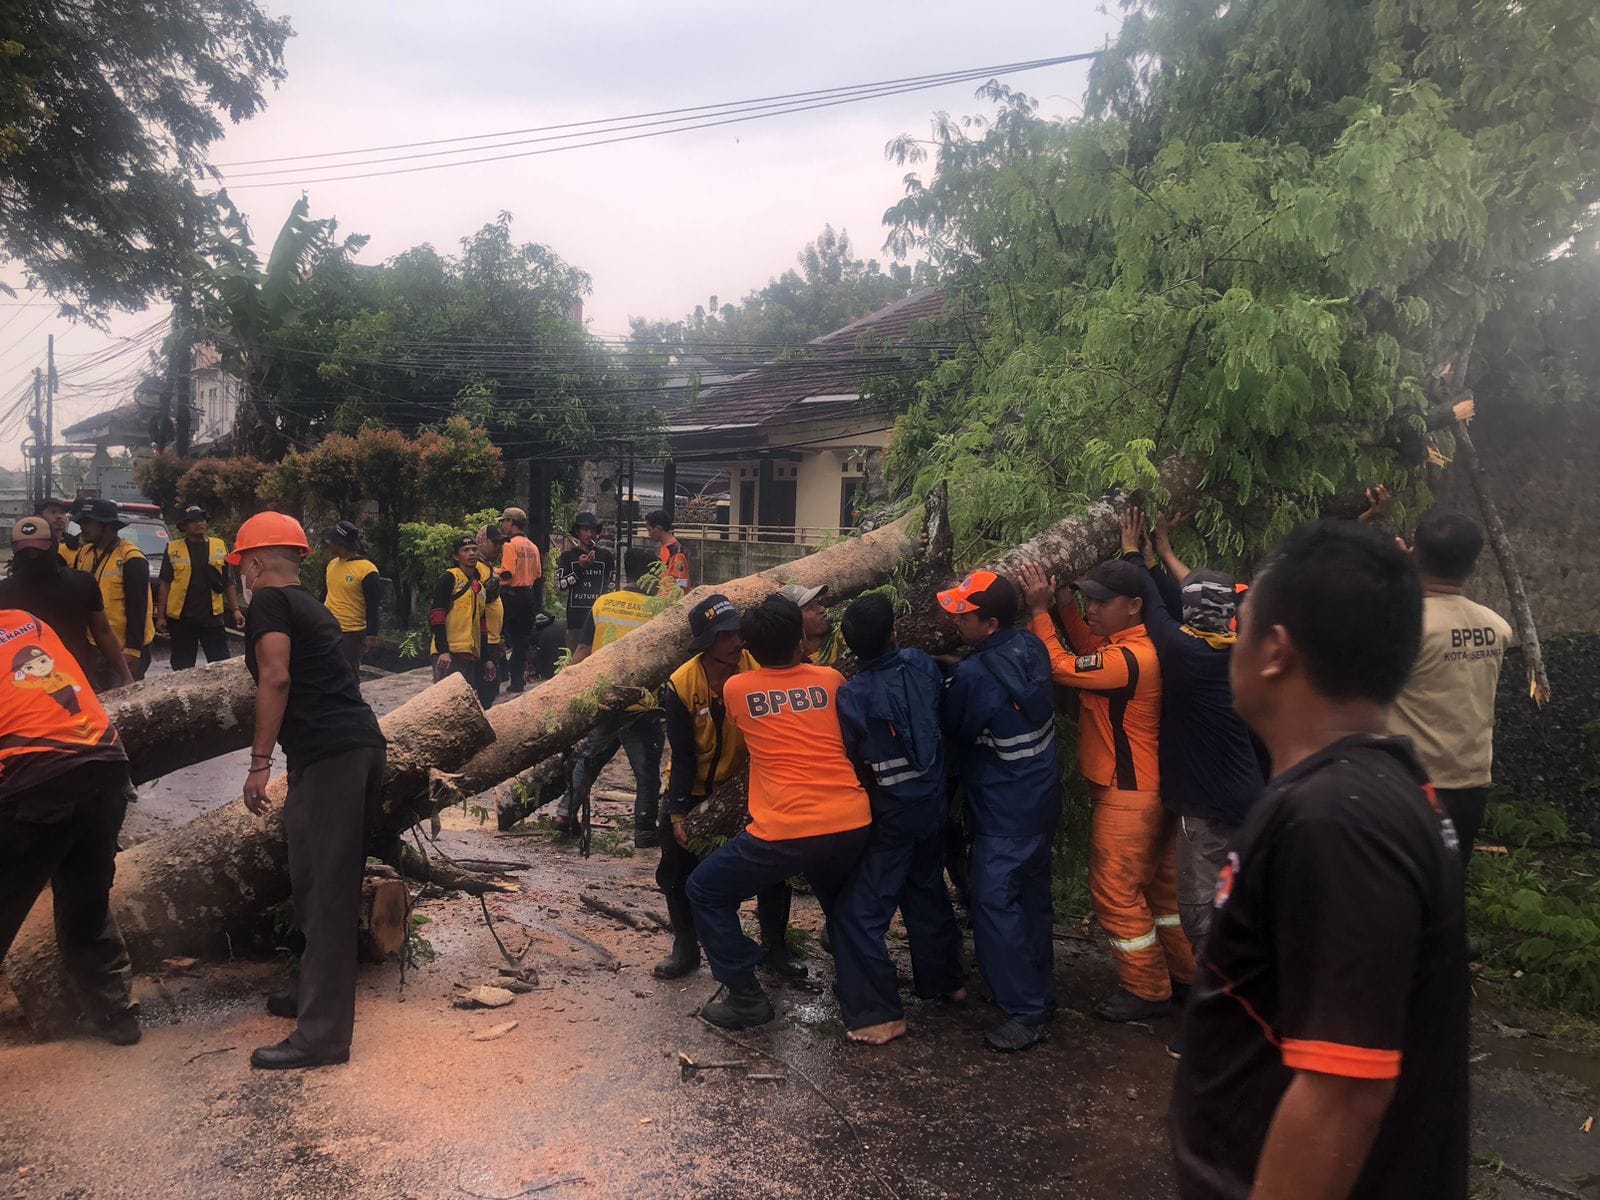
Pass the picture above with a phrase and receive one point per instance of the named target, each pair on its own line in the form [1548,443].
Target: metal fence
[792,535]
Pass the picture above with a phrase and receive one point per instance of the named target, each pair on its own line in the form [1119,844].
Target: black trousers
[64,833]
[1466,807]
[672,875]
[351,647]
[518,632]
[330,807]
[188,637]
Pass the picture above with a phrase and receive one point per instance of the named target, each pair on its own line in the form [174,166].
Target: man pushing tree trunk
[308,701]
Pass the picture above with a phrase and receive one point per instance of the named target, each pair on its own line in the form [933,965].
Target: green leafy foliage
[491,335]
[106,113]
[1538,906]
[424,548]
[1250,251]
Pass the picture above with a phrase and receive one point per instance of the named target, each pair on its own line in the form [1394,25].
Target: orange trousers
[1133,883]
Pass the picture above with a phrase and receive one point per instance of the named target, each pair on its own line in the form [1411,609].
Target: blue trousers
[641,735]
[1012,923]
[745,865]
[902,868]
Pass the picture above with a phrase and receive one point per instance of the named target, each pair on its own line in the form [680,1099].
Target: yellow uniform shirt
[346,601]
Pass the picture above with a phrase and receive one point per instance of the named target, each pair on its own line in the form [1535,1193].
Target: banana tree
[244,308]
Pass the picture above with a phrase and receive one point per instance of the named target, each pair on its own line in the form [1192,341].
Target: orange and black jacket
[1119,681]
[50,720]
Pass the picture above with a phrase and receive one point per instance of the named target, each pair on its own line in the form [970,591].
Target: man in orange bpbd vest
[809,813]
[521,568]
[63,792]
[1133,881]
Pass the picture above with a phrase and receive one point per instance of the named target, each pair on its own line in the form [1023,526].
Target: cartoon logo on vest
[34,670]
[1225,880]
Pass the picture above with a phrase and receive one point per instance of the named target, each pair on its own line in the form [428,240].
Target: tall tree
[249,307]
[107,109]
[493,334]
[832,288]
[1254,250]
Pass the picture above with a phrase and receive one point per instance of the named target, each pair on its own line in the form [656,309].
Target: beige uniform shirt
[1447,707]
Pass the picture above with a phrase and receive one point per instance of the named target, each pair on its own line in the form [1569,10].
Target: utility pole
[37,484]
[49,416]
[182,368]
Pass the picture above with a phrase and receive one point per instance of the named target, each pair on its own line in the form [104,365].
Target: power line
[35,329]
[739,118]
[932,79]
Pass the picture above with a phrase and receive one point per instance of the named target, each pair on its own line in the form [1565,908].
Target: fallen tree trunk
[175,894]
[175,720]
[554,715]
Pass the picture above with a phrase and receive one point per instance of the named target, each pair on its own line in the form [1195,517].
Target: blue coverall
[999,709]
[889,716]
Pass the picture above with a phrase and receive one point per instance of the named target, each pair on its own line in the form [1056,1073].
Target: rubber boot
[684,959]
[1123,1006]
[739,1008]
[774,921]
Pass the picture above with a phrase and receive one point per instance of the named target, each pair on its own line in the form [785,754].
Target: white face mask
[245,573]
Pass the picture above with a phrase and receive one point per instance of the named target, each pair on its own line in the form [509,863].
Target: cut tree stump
[176,894]
[385,915]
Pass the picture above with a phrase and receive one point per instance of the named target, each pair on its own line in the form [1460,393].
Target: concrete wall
[1542,472]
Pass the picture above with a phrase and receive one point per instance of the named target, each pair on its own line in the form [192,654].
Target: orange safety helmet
[269,529]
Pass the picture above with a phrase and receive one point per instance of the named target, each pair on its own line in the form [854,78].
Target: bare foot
[877,1035]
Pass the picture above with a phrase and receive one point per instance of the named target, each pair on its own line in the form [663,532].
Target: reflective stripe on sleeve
[1134,945]
[1023,745]
[1168,919]
[901,777]
[988,739]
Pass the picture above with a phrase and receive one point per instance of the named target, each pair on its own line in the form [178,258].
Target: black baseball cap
[465,540]
[710,617]
[193,513]
[107,512]
[345,533]
[1115,578]
[51,502]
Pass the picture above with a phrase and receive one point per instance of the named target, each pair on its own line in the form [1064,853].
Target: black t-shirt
[204,582]
[63,600]
[325,714]
[1338,946]
[584,583]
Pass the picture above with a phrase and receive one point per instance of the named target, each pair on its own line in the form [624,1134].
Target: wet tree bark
[175,720]
[177,893]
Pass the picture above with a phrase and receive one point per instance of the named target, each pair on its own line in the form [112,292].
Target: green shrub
[1537,907]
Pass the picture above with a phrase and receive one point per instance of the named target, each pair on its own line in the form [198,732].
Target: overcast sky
[660,224]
